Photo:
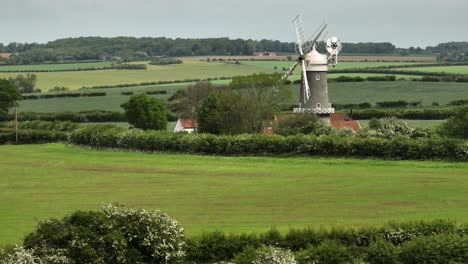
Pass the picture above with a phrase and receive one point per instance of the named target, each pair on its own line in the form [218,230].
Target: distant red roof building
[265,54]
[337,120]
[340,120]
[186,125]
[5,55]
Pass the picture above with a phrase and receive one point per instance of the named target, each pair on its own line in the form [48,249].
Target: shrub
[128,66]
[273,255]
[457,125]
[146,112]
[113,235]
[382,252]
[327,252]
[302,124]
[435,249]
[165,61]
[391,127]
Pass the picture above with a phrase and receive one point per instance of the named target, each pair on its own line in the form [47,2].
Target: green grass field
[233,194]
[58,66]
[188,70]
[447,69]
[340,93]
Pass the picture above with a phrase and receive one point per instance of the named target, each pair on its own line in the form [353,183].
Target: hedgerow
[254,144]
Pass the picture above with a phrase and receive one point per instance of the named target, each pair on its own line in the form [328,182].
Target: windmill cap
[316,58]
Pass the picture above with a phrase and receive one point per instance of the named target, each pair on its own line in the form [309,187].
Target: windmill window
[317,77]
[319,106]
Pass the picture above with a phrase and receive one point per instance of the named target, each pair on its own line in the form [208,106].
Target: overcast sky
[402,22]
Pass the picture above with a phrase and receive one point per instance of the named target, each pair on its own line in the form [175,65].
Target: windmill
[314,87]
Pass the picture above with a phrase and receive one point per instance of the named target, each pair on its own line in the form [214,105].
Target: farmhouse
[265,54]
[337,120]
[186,125]
[5,55]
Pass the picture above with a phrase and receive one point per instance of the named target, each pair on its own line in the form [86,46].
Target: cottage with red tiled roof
[186,125]
[5,55]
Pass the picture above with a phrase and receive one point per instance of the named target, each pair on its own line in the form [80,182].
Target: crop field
[269,65]
[459,69]
[340,93]
[343,57]
[54,67]
[188,70]
[232,194]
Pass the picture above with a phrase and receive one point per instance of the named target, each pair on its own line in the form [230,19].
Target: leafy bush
[302,124]
[414,114]
[113,235]
[274,255]
[42,125]
[399,103]
[457,125]
[435,249]
[327,252]
[382,252]
[33,136]
[165,61]
[392,127]
[146,112]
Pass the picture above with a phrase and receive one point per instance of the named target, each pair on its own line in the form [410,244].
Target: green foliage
[327,252]
[382,252]
[392,127]
[273,255]
[329,145]
[165,61]
[43,125]
[304,123]
[223,113]
[32,136]
[457,125]
[9,94]
[146,112]
[114,235]
[26,83]
[435,249]
[412,114]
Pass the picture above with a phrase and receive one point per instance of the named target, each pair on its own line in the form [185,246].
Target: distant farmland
[56,66]
[340,93]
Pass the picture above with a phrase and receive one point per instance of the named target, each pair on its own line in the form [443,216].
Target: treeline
[130,48]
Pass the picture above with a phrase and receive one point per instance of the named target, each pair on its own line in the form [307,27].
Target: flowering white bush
[155,231]
[21,255]
[274,255]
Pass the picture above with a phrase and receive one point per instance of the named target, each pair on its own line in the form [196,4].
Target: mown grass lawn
[233,194]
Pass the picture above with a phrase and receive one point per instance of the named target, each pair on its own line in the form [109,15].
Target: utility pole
[16,123]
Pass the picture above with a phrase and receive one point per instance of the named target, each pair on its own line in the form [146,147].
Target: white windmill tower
[314,87]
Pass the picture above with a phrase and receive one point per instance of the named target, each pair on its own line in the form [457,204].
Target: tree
[146,112]
[27,83]
[304,123]
[457,125]
[193,96]
[9,94]
[223,113]
[262,95]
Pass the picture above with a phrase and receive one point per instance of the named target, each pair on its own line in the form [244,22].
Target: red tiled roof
[187,123]
[337,120]
[6,55]
[340,120]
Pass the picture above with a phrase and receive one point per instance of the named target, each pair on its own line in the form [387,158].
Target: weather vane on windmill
[314,86]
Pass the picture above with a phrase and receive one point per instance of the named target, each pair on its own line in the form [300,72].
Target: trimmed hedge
[62,95]
[414,114]
[42,125]
[249,144]
[76,117]
[407,242]
[32,136]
